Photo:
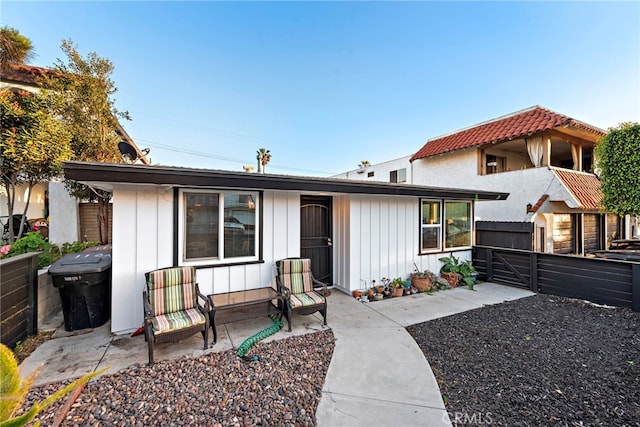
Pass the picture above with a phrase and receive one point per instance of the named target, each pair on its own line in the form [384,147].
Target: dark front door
[316,232]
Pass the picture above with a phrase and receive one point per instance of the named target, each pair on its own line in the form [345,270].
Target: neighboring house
[50,200]
[234,226]
[543,159]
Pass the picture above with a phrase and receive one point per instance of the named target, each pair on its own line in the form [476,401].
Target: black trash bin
[84,283]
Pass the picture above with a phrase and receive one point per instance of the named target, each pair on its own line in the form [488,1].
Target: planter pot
[397,292]
[452,278]
[422,283]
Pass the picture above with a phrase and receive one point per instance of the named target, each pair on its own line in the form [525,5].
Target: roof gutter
[178,176]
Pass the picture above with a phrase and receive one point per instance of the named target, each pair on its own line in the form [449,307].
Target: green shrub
[49,253]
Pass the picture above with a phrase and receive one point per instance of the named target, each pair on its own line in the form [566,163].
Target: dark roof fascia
[188,177]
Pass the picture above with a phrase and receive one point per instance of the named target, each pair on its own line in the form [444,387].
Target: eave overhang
[106,175]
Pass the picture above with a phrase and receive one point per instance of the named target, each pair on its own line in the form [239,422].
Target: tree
[15,49]
[33,144]
[85,90]
[263,158]
[618,164]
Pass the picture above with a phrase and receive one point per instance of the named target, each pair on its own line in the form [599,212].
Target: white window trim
[439,225]
[442,243]
[220,259]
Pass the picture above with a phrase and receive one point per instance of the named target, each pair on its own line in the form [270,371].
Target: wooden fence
[602,281]
[515,235]
[18,298]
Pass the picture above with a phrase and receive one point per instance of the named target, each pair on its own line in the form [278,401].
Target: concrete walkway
[377,376]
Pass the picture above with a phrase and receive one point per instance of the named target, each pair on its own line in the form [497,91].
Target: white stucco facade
[63,215]
[36,203]
[380,172]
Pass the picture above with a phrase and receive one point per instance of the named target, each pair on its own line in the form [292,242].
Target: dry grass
[28,346]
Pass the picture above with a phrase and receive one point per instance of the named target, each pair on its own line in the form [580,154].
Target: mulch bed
[283,387]
[540,360]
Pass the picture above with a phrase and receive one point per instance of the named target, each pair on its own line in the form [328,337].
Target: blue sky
[325,85]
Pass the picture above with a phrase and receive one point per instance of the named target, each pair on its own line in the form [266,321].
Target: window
[496,164]
[457,216]
[399,175]
[431,227]
[457,225]
[370,174]
[217,227]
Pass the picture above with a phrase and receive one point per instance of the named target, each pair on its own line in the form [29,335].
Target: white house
[233,226]
[543,159]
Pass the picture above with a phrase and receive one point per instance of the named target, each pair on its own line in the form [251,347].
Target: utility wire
[223,158]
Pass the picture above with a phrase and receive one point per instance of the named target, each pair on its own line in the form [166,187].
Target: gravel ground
[217,389]
[536,361]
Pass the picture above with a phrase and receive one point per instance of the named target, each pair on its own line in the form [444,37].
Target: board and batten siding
[378,237]
[374,237]
[143,241]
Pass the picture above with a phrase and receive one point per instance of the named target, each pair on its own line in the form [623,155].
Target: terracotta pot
[452,278]
[356,294]
[421,283]
[397,292]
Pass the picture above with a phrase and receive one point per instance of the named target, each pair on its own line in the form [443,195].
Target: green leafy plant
[49,253]
[13,391]
[31,242]
[468,273]
[464,269]
[618,167]
[397,283]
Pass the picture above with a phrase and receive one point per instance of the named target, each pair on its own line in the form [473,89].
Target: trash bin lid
[83,262]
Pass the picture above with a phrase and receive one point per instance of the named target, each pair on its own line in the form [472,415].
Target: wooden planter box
[19,296]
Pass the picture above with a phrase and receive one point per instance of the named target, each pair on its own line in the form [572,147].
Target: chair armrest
[282,289]
[148,310]
[320,284]
[206,306]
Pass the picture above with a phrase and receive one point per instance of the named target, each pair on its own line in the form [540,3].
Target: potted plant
[455,271]
[450,270]
[468,273]
[397,287]
[422,280]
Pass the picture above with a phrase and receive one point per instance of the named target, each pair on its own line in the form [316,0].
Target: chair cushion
[177,320]
[306,299]
[295,274]
[172,290]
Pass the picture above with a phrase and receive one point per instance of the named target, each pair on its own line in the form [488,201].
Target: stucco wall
[36,204]
[63,210]
[460,170]
[381,171]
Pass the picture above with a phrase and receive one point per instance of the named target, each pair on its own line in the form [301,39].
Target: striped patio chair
[172,310]
[304,293]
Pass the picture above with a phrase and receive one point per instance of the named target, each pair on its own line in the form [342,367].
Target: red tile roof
[538,205]
[27,74]
[513,126]
[585,187]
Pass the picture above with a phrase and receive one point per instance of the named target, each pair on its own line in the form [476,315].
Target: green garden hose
[246,345]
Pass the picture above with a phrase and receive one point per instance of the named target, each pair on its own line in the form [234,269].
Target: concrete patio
[368,337]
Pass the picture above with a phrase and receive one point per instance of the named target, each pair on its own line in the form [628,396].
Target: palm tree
[263,158]
[15,49]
